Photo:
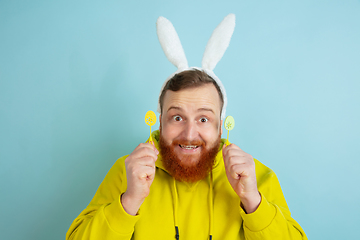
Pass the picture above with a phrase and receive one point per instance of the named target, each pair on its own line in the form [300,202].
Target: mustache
[188,142]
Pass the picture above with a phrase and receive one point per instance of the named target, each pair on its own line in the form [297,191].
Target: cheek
[169,132]
[210,135]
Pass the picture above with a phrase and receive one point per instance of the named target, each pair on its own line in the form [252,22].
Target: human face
[191,116]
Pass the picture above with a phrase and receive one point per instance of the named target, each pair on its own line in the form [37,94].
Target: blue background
[77,77]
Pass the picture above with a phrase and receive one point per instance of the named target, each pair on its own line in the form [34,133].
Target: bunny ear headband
[215,49]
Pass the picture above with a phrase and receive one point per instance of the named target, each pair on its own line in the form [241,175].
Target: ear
[221,129]
[170,43]
[218,42]
[160,122]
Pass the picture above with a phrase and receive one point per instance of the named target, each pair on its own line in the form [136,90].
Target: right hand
[140,173]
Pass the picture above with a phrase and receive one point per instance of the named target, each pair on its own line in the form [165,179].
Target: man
[188,184]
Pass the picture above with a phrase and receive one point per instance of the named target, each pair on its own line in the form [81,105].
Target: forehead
[205,96]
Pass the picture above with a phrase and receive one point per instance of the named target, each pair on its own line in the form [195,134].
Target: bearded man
[188,184]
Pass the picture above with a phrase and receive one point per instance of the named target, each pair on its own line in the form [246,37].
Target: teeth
[188,146]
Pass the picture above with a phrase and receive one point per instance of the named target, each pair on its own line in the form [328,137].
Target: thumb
[155,149]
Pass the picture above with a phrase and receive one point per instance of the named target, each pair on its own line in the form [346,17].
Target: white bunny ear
[170,43]
[218,42]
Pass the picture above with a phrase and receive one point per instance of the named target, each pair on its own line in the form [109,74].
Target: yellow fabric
[105,218]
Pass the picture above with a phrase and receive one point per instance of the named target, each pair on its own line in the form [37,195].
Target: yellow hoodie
[208,209]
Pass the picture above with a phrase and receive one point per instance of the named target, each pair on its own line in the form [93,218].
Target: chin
[189,162]
[188,159]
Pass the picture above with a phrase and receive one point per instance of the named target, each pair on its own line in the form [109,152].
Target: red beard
[188,172]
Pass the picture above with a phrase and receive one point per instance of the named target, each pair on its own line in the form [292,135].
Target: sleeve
[105,217]
[272,219]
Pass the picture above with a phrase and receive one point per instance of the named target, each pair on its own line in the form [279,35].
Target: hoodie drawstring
[211,208]
[175,200]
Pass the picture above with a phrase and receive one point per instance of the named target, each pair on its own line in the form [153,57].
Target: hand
[140,173]
[240,171]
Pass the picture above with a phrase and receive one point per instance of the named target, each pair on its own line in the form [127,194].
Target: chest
[193,208]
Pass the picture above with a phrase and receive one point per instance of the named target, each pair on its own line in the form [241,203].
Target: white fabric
[218,42]
[215,49]
[170,43]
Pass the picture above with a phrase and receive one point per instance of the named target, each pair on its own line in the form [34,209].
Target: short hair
[189,79]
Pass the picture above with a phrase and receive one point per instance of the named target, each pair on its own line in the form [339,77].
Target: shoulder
[119,165]
[262,168]
[263,173]
[117,169]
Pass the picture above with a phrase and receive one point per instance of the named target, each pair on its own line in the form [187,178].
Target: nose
[190,131]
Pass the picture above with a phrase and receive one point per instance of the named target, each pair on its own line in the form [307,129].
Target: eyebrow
[173,107]
[206,109]
[199,110]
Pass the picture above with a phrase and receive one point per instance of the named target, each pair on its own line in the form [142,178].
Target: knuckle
[133,172]
[233,159]
[149,161]
[251,166]
[233,168]
[127,160]
[230,151]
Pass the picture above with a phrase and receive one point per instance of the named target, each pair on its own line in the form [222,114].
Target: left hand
[240,171]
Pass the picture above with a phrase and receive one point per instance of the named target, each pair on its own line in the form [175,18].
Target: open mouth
[188,147]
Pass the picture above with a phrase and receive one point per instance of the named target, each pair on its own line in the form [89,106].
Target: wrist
[251,203]
[130,205]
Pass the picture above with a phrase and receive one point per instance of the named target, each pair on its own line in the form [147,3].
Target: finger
[146,161]
[155,149]
[227,148]
[146,173]
[151,146]
[146,145]
[143,152]
[134,166]
[232,146]
[134,163]
[233,156]
[238,170]
[141,170]
[236,153]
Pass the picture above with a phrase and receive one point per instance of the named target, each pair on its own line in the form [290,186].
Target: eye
[203,120]
[177,118]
